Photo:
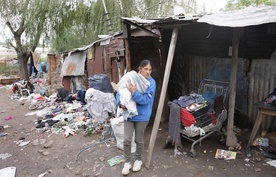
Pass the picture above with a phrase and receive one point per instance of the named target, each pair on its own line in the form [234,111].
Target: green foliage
[9,70]
[28,19]
[69,24]
[240,4]
[81,25]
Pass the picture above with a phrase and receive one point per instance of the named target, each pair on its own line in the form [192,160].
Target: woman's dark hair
[144,63]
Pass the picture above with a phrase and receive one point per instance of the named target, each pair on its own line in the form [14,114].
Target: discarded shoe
[137,165]
[126,169]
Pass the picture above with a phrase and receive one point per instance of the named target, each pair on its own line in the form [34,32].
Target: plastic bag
[100,82]
[117,125]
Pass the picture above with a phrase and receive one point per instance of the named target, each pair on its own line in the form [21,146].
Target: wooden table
[262,111]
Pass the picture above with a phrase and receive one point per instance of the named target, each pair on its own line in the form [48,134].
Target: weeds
[9,70]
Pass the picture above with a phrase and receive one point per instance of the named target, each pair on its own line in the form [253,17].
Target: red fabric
[38,97]
[186,117]
[213,117]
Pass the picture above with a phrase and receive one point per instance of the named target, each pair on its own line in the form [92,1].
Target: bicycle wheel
[41,105]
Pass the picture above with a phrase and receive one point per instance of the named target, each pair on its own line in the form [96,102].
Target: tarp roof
[250,16]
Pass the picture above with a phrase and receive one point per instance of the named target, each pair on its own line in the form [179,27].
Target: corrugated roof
[240,18]
[138,20]
[168,21]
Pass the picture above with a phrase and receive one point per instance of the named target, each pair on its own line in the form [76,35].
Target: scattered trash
[210,168]
[1,128]
[68,131]
[224,154]
[247,160]
[6,126]
[116,160]
[261,142]
[45,173]
[255,160]
[238,146]
[24,143]
[4,156]
[2,134]
[177,152]
[247,164]
[272,163]
[9,117]
[8,172]
[258,170]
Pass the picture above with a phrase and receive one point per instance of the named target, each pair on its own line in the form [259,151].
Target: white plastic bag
[117,125]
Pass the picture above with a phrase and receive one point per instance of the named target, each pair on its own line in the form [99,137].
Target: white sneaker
[137,165]
[127,167]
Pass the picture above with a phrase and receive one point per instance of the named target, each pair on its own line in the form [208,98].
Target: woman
[138,123]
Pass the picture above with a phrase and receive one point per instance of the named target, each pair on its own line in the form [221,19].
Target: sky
[212,6]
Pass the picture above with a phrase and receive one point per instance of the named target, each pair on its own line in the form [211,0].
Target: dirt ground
[62,157]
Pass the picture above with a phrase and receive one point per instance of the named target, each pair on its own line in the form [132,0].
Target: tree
[68,24]
[28,21]
[82,25]
[240,4]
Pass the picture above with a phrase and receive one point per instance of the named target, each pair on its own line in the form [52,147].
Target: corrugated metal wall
[255,80]
[198,56]
[262,81]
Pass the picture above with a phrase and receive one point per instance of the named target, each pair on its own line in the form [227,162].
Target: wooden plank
[162,96]
[8,80]
[126,34]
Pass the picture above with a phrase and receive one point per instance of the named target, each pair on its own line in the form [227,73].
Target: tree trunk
[23,60]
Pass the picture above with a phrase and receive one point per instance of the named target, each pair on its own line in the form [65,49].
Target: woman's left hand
[131,87]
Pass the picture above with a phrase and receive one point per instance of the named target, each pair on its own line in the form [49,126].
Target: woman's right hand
[123,107]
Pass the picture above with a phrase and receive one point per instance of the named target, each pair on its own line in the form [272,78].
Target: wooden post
[126,34]
[106,62]
[162,95]
[231,139]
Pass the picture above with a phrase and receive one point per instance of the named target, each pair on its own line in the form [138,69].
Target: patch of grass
[9,70]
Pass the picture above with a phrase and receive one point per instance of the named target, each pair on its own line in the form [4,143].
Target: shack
[237,46]
[203,49]
[107,55]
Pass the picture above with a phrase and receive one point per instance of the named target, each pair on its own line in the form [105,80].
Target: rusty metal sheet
[74,64]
